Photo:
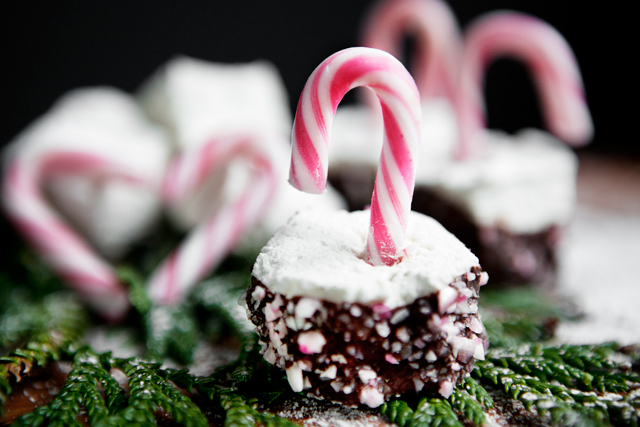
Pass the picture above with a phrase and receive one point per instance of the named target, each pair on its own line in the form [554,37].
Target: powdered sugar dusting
[600,273]
[317,413]
[321,255]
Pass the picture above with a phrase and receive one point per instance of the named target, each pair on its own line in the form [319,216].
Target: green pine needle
[82,389]
[570,384]
[470,399]
[34,334]
[429,412]
[149,391]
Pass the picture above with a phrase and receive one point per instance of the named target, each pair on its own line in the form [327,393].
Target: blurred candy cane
[551,61]
[436,56]
[62,248]
[208,243]
[395,179]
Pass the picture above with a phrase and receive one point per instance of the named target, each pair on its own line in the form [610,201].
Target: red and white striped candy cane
[395,179]
[62,248]
[552,63]
[438,44]
[206,245]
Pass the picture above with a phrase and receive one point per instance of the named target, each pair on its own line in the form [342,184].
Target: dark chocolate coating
[408,348]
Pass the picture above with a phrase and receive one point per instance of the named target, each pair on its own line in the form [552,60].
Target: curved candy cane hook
[552,63]
[395,179]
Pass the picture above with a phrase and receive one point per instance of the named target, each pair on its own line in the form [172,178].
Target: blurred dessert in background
[91,164]
[111,213]
[196,101]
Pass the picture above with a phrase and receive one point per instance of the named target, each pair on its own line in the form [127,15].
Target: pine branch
[40,332]
[90,379]
[239,408]
[478,392]
[471,400]
[572,385]
[241,412]
[58,317]
[149,391]
[398,412]
[170,331]
[82,389]
[235,385]
[428,412]
[219,296]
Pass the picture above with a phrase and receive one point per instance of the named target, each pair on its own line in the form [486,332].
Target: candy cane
[438,43]
[60,246]
[395,179]
[554,69]
[208,243]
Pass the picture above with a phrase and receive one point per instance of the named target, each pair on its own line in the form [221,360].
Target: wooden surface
[611,183]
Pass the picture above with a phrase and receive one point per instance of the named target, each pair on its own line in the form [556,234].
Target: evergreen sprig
[242,412]
[239,386]
[56,318]
[471,400]
[35,334]
[430,412]
[572,385]
[91,388]
[83,389]
[149,391]
[219,295]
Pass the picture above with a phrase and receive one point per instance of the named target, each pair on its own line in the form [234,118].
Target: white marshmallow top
[523,183]
[321,255]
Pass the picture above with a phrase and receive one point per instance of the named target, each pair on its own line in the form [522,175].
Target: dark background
[50,47]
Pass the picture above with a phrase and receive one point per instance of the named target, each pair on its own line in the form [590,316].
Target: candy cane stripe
[308,155]
[208,243]
[399,152]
